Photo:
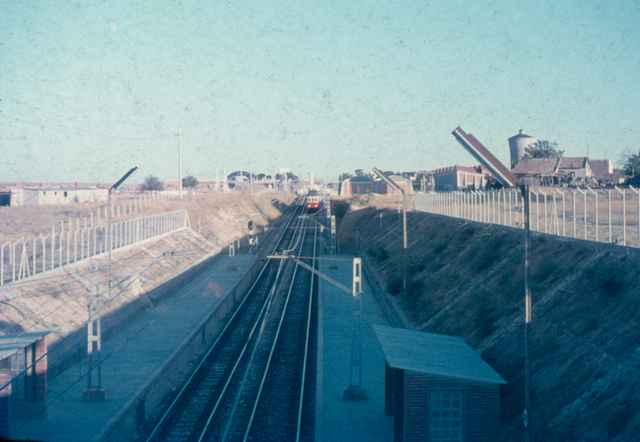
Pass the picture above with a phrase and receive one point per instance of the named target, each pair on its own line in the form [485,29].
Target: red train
[313,202]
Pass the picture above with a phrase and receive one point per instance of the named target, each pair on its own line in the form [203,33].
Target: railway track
[254,381]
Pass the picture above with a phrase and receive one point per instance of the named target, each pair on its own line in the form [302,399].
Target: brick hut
[437,388]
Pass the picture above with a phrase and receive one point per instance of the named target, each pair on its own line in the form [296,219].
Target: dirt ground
[467,279]
[23,222]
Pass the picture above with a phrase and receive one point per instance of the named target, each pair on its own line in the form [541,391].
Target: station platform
[130,356]
[337,419]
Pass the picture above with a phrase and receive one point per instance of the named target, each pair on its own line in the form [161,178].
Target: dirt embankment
[204,209]
[467,279]
[57,300]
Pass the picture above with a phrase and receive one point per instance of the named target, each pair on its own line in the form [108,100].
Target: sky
[90,88]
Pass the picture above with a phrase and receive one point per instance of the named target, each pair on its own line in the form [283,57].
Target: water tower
[518,145]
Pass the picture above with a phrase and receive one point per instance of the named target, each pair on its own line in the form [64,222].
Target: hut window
[445,416]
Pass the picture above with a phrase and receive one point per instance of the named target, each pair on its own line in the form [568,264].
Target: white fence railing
[71,242]
[604,215]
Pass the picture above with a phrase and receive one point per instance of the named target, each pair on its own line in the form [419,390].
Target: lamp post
[528,307]
[405,238]
[94,390]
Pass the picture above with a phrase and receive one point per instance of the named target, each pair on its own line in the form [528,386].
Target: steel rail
[207,429]
[170,410]
[307,340]
[274,347]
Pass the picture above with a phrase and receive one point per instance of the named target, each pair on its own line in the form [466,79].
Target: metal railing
[603,215]
[74,241]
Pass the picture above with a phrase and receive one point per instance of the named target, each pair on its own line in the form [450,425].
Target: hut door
[445,416]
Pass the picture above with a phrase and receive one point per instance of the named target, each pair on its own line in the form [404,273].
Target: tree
[189,181]
[152,183]
[631,164]
[543,149]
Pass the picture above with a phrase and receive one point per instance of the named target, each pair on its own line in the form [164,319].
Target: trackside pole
[528,316]
[355,392]
[333,235]
[94,391]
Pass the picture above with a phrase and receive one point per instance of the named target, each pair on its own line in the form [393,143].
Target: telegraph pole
[528,316]
[94,391]
[405,234]
[179,164]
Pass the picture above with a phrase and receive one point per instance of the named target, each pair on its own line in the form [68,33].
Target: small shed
[437,388]
[5,390]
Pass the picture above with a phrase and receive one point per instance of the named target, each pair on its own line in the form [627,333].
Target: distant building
[539,170]
[44,196]
[5,198]
[425,181]
[361,185]
[459,178]
[602,170]
[576,168]
[437,388]
[552,171]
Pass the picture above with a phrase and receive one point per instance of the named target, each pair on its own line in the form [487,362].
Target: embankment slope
[467,279]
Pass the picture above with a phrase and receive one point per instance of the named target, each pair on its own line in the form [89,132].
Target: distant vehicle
[313,201]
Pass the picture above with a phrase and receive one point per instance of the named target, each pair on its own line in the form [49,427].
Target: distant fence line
[70,242]
[603,215]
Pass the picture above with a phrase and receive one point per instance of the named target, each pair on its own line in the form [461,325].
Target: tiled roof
[536,166]
[434,354]
[573,162]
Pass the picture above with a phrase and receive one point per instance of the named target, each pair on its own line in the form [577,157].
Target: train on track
[312,202]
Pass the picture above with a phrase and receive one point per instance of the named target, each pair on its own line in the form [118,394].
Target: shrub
[415,287]
[415,267]
[152,183]
[378,253]
[612,284]
[394,285]
[189,181]
[619,419]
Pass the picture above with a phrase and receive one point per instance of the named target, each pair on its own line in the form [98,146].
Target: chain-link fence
[604,215]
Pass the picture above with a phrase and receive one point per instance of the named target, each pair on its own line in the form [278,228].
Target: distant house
[550,171]
[577,168]
[459,178]
[437,388]
[541,170]
[425,181]
[601,169]
[43,196]
[357,185]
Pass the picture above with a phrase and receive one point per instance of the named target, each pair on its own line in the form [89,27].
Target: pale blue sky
[89,87]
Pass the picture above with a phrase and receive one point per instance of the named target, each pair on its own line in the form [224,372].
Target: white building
[41,196]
